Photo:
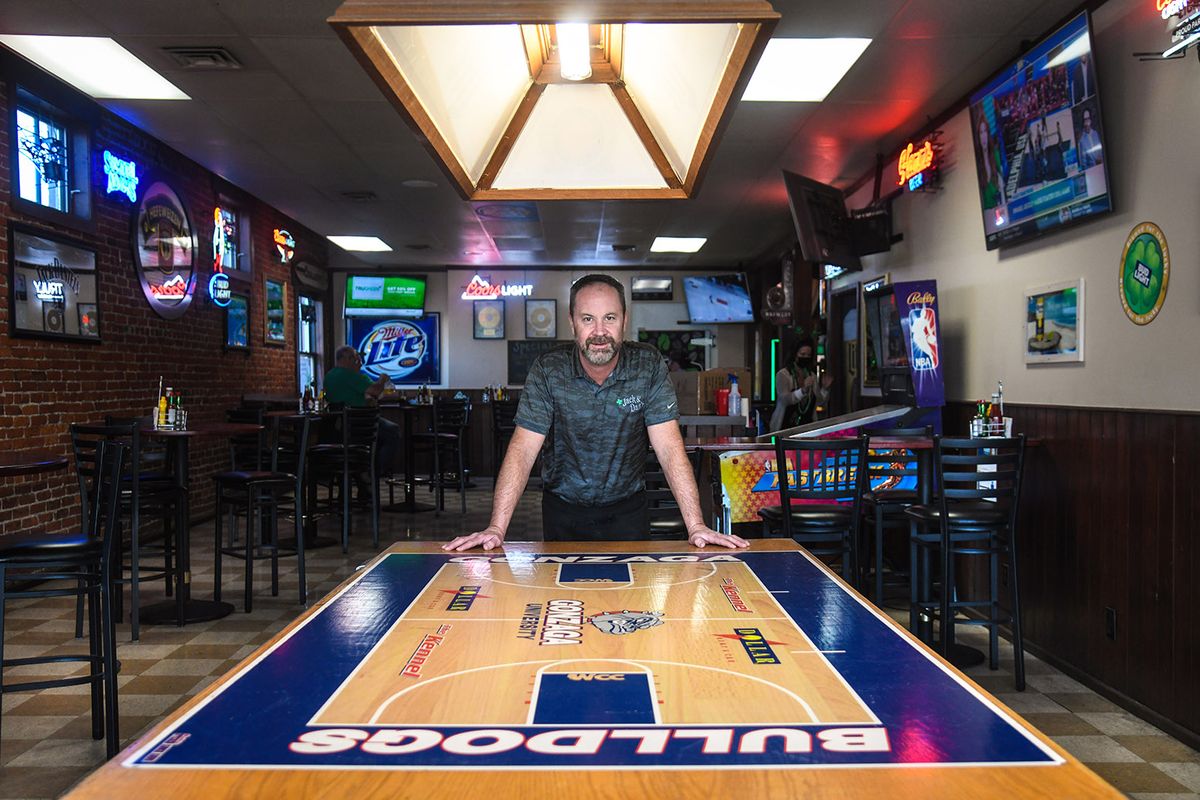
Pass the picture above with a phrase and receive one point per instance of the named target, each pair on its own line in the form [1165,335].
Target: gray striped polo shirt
[596,441]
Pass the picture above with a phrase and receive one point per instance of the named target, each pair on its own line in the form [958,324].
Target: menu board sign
[164,251]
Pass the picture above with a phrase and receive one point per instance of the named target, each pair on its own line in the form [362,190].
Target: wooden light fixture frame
[354,20]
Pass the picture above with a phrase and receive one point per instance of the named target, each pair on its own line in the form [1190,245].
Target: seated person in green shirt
[346,385]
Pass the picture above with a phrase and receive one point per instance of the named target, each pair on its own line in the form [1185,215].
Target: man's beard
[599,358]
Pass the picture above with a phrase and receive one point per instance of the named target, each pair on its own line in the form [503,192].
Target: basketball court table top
[591,670]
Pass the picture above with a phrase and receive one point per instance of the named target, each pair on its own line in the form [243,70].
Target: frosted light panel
[578,138]
[672,72]
[469,78]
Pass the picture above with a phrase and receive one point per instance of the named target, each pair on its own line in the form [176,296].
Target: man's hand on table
[488,538]
[706,536]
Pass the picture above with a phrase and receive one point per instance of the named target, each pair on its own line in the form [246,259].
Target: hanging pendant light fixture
[527,101]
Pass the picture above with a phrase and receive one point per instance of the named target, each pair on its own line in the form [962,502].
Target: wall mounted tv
[823,227]
[718,298]
[385,296]
[1038,140]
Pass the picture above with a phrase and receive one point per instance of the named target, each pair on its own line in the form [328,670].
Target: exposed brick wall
[47,385]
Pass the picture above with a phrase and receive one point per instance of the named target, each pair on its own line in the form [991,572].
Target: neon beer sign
[481,289]
[913,163]
[1171,8]
[122,176]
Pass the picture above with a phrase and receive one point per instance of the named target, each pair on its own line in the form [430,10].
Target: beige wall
[469,363]
[1151,113]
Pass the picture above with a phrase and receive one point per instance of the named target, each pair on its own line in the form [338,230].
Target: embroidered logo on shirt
[631,404]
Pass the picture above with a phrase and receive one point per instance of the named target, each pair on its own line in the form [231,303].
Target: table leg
[410,479]
[183,609]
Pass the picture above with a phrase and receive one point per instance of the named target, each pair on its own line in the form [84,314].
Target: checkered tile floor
[46,744]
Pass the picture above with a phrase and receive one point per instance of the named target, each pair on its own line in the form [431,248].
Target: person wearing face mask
[597,405]
[797,389]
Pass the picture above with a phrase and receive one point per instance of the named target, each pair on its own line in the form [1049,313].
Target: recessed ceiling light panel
[802,70]
[677,244]
[361,244]
[95,65]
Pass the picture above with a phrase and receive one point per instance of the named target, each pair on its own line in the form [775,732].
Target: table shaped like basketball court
[592,670]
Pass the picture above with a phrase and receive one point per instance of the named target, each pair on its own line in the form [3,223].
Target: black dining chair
[666,520]
[265,495]
[148,491]
[886,496]
[504,425]
[78,563]
[975,517]
[352,454]
[446,441]
[821,497]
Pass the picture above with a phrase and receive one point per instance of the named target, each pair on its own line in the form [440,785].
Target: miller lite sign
[405,350]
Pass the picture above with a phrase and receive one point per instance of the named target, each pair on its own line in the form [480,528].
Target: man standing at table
[600,402]
[345,384]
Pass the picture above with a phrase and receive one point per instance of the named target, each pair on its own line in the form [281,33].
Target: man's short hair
[592,280]
[342,352]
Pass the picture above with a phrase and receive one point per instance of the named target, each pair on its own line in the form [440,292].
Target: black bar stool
[85,561]
[980,482]
[884,506]
[446,440]
[821,505]
[262,493]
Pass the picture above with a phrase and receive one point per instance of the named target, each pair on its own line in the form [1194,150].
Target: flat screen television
[1039,141]
[823,226]
[385,296]
[718,298]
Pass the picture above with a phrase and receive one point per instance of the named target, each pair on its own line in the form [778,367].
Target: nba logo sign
[922,325]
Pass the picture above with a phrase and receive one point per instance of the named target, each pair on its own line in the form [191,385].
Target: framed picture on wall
[275,313]
[541,319]
[237,322]
[489,319]
[55,287]
[1053,330]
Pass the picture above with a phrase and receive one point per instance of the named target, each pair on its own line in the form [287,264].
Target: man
[796,389]
[1083,80]
[599,401]
[345,384]
[1089,142]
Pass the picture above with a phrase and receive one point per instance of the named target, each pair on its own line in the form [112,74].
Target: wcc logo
[922,324]
[394,349]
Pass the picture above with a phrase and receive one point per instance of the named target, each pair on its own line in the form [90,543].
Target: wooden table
[184,608]
[29,463]
[645,669]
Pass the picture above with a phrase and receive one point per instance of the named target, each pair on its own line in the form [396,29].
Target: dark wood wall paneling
[1109,520]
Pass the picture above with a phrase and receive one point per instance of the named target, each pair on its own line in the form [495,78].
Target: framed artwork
[1053,331]
[275,311]
[541,319]
[237,322]
[55,287]
[489,319]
